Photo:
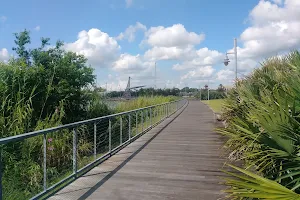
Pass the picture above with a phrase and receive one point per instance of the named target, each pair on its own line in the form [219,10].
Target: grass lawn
[215,104]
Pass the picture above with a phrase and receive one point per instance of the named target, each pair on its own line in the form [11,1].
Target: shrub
[262,116]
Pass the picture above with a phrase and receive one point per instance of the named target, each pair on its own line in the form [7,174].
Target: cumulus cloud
[115,84]
[4,56]
[129,63]
[176,43]
[129,33]
[225,75]
[201,57]
[98,47]
[141,71]
[169,53]
[174,36]
[199,73]
[274,28]
[267,12]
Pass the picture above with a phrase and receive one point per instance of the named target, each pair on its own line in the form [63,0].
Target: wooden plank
[182,162]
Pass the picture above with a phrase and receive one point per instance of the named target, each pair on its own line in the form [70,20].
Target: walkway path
[181,162]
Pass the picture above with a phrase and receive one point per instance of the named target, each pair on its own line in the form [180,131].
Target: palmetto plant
[262,116]
[252,186]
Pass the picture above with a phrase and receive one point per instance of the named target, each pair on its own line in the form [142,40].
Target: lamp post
[226,60]
[200,92]
[208,91]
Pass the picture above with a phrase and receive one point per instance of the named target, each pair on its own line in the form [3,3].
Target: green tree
[57,74]
[221,88]
[21,40]
[262,127]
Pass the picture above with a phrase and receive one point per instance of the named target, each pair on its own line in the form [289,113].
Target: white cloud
[201,57]
[128,3]
[274,29]
[128,63]
[274,26]
[141,71]
[37,28]
[176,43]
[174,36]
[98,47]
[169,53]
[199,74]
[225,75]
[266,12]
[129,33]
[4,56]
[3,19]
[115,84]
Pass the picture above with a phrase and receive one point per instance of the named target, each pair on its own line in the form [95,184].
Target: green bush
[262,121]
[43,88]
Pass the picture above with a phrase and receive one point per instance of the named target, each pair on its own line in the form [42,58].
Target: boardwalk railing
[68,151]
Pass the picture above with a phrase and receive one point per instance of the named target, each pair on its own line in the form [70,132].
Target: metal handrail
[162,112]
[70,125]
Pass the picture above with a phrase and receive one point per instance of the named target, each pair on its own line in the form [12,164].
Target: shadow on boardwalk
[178,159]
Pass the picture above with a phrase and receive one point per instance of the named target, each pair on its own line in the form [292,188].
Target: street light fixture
[226,60]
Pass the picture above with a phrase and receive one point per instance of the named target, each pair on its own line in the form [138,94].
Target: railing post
[161,112]
[168,105]
[151,117]
[173,108]
[129,127]
[158,113]
[166,110]
[136,123]
[109,133]
[45,161]
[146,116]
[142,121]
[75,152]
[95,140]
[121,131]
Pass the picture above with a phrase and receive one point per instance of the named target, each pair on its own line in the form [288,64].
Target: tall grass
[23,161]
[262,116]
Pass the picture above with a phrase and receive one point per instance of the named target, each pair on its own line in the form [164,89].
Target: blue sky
[186,38]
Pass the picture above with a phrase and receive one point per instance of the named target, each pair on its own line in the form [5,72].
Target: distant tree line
[218,93]
[147,92]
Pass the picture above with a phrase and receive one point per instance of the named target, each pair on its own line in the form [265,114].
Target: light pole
[200,92]
[208,91]
[226,60]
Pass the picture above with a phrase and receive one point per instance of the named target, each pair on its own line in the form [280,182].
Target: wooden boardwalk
[178,159]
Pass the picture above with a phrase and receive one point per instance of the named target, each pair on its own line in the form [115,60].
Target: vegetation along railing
[68,151]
